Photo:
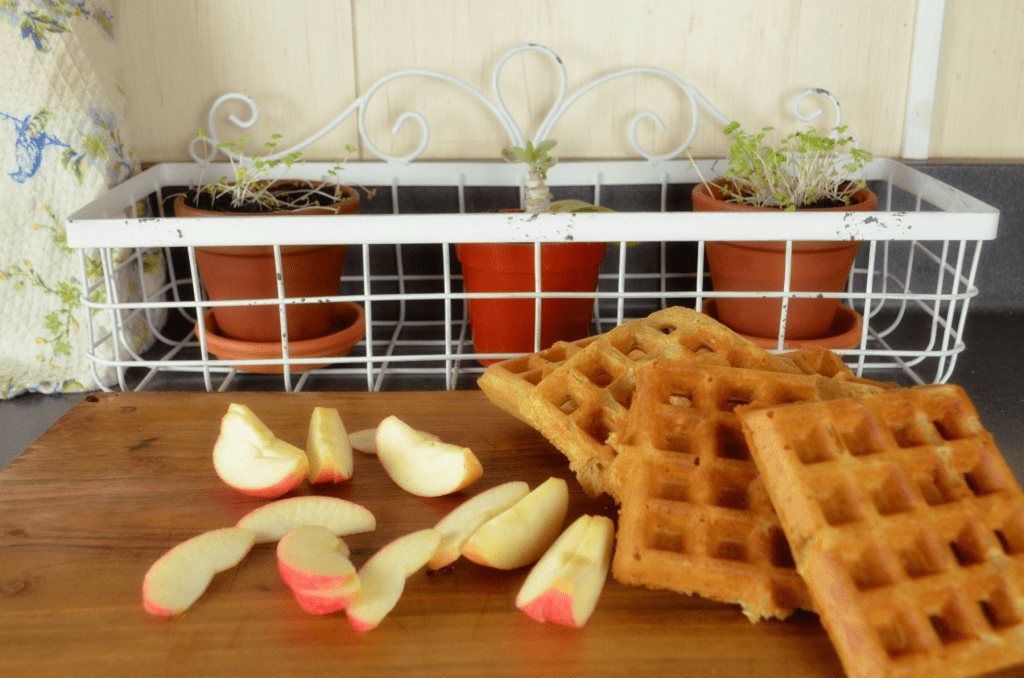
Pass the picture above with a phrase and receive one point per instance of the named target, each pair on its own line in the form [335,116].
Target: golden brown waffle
[694,516]
[818,361]
[822,361]
[509,382]
[907,526]
[578,405]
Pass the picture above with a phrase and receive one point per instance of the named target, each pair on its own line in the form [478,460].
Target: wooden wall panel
[305,61]
[979,109]
[751,71]
[295,59]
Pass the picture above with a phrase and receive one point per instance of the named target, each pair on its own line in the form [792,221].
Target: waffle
[579,404]
[907,526]
[509,382]
[695,516]
[817,360]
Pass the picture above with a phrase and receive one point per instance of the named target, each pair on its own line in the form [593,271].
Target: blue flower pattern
[43,18]
[30,141]
[37,20]
[95,145]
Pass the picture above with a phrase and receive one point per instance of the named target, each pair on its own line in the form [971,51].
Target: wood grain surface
[121,478]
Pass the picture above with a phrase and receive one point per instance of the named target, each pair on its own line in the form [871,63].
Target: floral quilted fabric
[62,144]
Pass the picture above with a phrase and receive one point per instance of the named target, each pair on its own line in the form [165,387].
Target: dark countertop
[990,370]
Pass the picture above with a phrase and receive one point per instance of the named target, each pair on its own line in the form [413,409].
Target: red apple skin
[326,476]
[360,625]
[553,606]
[318,602]
[283,486]
[153,609]
[311,582]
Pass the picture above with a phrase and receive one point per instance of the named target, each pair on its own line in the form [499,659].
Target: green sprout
[803,169]
[250,182]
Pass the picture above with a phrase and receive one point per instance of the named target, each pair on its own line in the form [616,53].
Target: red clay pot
[507,325]
[818,266]
[348,327]
[248,272]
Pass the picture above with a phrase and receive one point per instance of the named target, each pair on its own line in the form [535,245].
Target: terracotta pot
[817,266]
[845,331]
[248,272]
[348,327]
[507,325]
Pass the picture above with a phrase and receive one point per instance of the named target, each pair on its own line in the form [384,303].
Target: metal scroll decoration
[497,108]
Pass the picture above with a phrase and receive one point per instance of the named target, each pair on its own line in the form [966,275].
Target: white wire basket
[910,288]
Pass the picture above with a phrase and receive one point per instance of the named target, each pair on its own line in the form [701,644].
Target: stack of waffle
[780,482]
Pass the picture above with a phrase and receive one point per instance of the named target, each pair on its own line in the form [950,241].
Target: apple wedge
[519,535]
[272,521]
[250,458]
[421,465]
[383,577]
[180,576]
[365,440]
[312,558]
[331,600]
[328,448]
[465,519]
[565,584]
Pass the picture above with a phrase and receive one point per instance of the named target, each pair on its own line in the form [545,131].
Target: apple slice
[460,524]
[332,600]
[248,457]
[383,577]
[519,535]
[312,558]
[180,576]
[421,465]
[272,521]
[365,440]
[565,584]
[328,448]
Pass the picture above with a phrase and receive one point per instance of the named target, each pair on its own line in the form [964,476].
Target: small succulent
[538,197]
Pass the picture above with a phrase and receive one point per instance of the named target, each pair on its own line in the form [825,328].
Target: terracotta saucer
[348,329]
[844,333]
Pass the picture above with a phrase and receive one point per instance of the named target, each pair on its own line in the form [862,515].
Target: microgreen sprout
[803,169]
[251,183]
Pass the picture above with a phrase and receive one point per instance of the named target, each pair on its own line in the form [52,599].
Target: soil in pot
[507,325]
[248,272]
[817,266]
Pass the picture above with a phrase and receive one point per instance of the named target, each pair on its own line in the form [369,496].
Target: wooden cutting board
[121,478]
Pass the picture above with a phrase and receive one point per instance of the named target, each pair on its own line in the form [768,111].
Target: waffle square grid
[907,526]
[583,402]
[695,516]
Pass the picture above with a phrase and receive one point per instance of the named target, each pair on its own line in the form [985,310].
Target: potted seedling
[805,171]
[249,272]
[507,325]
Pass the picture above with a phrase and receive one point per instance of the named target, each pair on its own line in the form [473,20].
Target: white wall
[305,61]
